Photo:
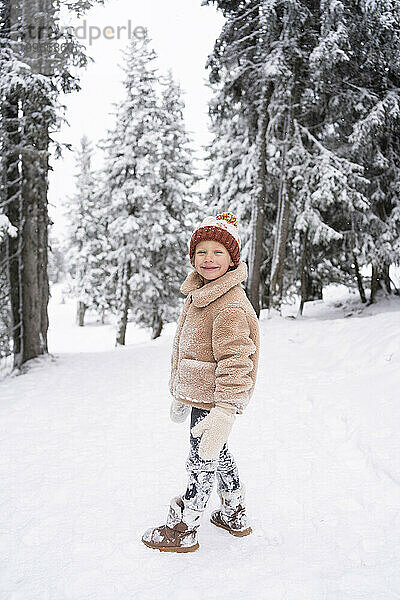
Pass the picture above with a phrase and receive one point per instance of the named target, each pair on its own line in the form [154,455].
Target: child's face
[211,259]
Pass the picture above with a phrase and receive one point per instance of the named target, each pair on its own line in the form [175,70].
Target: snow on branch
[335,158]
[6,228]
[383,111]
[310,220]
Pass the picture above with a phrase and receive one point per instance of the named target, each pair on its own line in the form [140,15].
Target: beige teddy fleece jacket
[216,346]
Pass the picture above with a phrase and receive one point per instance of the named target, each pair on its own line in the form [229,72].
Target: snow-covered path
[89,460]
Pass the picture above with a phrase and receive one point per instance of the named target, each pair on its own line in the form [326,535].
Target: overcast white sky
[183,34]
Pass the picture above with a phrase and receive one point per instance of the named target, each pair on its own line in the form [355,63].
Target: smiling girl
[213,373]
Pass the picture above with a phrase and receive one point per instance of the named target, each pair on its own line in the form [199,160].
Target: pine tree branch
[12,199]
[242,40]
[6,260]
[245,15]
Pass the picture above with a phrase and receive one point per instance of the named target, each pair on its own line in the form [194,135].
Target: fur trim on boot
[232,513]
[179,534]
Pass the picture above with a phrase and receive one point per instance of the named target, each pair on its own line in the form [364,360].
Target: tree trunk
[31,344]
[257,211]
[41,13]
[156,326]
[359,280]
[13,209]
[124,304]
[27,172]
[380,281]
[281,230]
[279,255]
[11,194]
[43,241]
[313,288]
[80,313]
[303,286]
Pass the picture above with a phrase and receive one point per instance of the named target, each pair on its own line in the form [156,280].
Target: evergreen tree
[238,66]
[163,239]
[317,84]
[231,172]
[57,263]
[375,137]
[132,150]
[150,178]
[352,99]
[86,236]
[35,62]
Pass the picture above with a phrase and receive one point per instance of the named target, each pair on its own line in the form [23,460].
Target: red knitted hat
[222,228]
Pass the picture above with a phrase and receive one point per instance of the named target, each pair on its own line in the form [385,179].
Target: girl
[213,373]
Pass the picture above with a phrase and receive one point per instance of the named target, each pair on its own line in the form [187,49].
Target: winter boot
[179,534]
[231,515]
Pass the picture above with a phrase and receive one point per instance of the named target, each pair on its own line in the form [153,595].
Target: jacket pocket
[196,379]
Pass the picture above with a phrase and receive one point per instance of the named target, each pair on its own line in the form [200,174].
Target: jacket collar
[203,294]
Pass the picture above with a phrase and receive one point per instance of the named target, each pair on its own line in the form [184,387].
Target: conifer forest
[304,116]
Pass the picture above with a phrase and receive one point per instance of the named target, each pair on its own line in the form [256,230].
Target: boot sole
[171,549]
[235,533]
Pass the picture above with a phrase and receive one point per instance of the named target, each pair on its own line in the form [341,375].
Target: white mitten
[178,411]
[214,429]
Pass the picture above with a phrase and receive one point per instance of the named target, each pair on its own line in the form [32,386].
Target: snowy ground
[89,460]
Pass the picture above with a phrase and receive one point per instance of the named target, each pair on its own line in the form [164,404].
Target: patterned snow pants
[202,473]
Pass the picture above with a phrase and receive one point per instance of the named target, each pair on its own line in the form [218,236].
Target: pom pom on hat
[222,228]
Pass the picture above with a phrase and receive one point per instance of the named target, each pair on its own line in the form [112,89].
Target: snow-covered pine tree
[258,60]
[132,150]
[321,234]
[35,58]
[237,67]
[103,280]
[86,236]
[373,97]
[352,99]
[231,171]
[57,265]
[296,60]
[11,182]
[165,226]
